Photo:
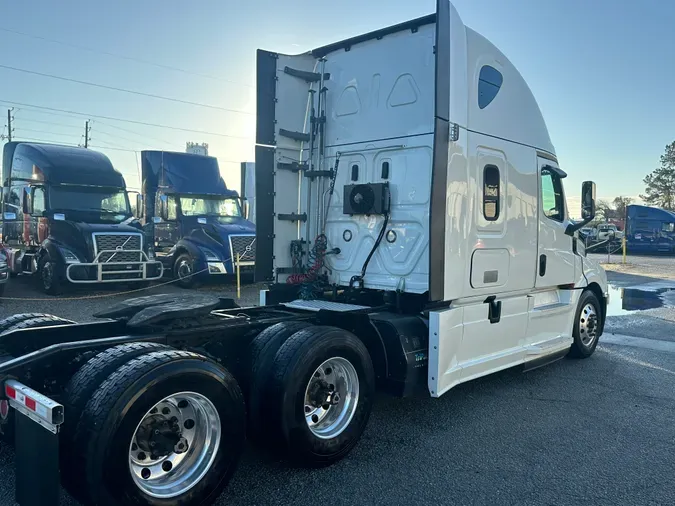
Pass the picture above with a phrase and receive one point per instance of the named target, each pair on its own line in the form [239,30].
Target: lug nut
[336,397]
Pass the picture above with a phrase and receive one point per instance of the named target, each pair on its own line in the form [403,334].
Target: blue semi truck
[649,230]
[198,225]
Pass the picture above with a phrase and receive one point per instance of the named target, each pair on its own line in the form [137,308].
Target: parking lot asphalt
[597,431]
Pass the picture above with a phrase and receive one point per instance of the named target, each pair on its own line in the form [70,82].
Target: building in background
[197,149]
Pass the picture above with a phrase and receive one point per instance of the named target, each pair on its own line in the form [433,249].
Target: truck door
[555,259]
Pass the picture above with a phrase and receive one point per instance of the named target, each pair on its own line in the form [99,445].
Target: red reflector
[10,392]
[30,404]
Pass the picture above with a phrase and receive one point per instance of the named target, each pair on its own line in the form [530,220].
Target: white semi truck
[411,222]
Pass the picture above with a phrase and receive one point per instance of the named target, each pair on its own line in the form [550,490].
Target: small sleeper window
[491,193]
[489,82]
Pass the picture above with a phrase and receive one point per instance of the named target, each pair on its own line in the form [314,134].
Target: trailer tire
[102,448]
[262,352]
[303,366]
[9,324]
[184,264]
[587,326]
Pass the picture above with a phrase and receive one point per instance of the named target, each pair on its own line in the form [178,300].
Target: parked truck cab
[66,218]
[198,224]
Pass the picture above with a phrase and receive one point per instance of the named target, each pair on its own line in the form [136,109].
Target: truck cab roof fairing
[178,172]
[64,165]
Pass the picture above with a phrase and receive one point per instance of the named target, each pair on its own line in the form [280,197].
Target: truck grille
[115,245]
[244,245]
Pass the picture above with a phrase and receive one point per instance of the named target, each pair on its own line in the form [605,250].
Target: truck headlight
[68,256]
[210,255]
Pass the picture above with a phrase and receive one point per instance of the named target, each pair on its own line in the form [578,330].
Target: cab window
[552,199]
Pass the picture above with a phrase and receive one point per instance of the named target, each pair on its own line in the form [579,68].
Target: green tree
[620,203]
[660,184]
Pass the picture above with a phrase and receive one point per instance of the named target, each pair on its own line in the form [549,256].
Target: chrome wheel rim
[588,325]
[331,398]
[174,445]
[184,269]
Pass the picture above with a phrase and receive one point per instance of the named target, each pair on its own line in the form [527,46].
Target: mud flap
[38,482]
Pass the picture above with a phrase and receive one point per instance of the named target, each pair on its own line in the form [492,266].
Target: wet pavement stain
[630,299]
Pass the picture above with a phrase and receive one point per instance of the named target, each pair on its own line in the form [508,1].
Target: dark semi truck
[67,219]
[200,230]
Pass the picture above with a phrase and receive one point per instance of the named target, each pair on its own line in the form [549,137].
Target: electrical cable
[359,279]
[99,116]
[122,90]
[124,57]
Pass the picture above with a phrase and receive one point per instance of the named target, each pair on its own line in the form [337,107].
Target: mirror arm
[573,227]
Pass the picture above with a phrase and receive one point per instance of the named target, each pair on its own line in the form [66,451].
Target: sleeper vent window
[491,193]
[489,82]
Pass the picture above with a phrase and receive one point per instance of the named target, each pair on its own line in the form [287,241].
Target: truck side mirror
[587,207]
[588,200]
[244,207]
[140,211]
[164,207]
[27,205]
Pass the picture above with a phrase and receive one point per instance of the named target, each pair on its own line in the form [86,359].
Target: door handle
[542,265]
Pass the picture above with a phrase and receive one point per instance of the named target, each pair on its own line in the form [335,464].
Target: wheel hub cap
[174,445]
[588,325]
[331,398]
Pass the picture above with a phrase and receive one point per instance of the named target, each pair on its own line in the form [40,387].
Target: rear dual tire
[302,417]
[103,448]
[10,324]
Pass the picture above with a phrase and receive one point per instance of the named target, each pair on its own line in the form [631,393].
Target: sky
[599,70]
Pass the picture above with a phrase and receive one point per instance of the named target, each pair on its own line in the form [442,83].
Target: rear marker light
[11,393]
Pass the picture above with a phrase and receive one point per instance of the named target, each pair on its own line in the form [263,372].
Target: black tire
[294,365]
[23,321]
[184,282]
[49,276]
[262,352]
[89,377]
[10,321]
[581,331]
[100,449]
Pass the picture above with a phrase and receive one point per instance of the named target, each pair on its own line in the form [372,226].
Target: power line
[98,129]
[124,57]
[22,129]
[52,123]
[123,90]
[203,132]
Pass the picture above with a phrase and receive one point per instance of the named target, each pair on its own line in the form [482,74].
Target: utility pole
[86,134]
[9,125]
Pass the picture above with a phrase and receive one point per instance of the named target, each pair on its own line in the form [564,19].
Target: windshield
[85,198]
[210,206]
